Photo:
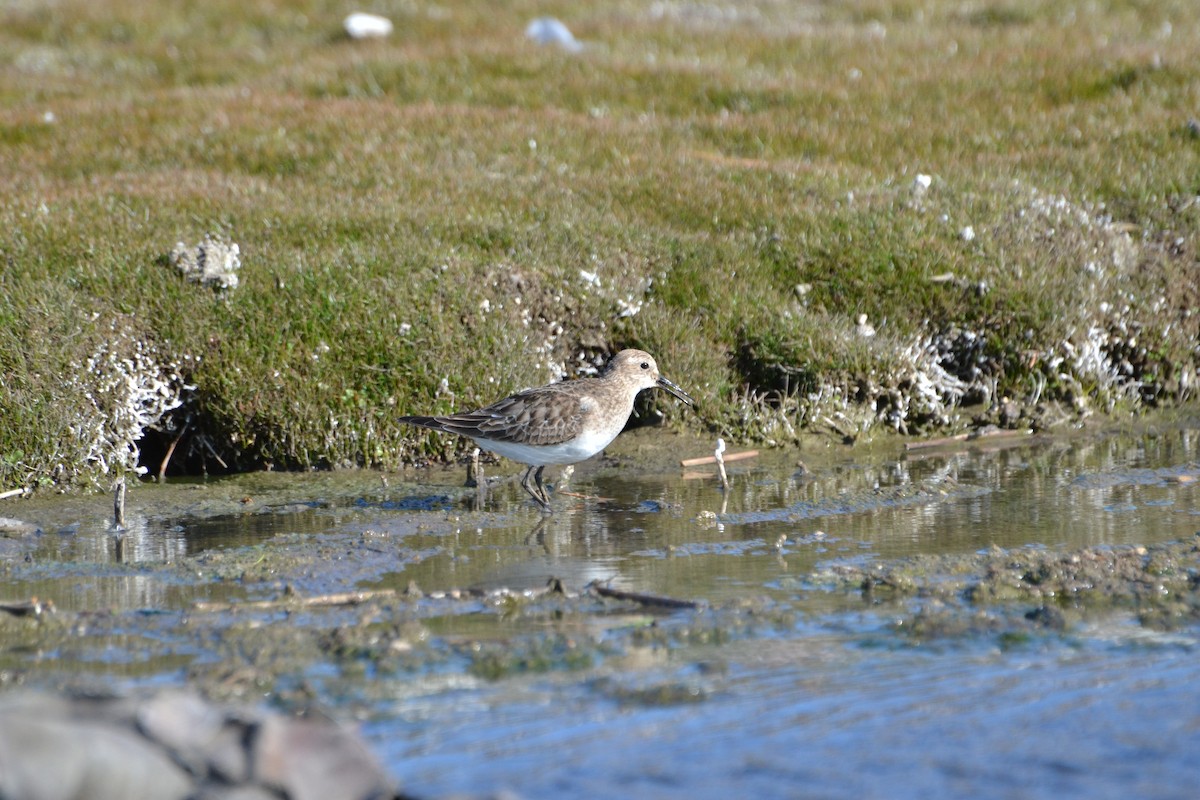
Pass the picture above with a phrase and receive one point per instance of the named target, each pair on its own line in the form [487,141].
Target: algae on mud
[901,587]
[210,553]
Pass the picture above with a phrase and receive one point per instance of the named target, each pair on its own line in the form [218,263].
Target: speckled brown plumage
[562,423]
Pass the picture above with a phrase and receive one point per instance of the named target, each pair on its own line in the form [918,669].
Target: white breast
[597,434]
[578,449]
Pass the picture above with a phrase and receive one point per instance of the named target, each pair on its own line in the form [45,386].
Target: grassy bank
[1006,191]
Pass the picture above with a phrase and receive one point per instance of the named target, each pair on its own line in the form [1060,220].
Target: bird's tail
[424,422]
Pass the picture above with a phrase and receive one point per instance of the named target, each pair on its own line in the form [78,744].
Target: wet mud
[418,607]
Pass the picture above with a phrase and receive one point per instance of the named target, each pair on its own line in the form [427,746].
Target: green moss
[746,186]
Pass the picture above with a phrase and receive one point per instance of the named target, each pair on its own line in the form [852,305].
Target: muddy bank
[275,635]
[1031,588]
[800,602]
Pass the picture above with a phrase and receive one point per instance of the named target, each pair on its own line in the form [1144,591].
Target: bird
[560,423]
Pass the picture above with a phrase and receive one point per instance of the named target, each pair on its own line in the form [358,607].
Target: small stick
[119,504]
[582,496]
[474,470]
[701,460]
[837,428]
[939,442]
[717,454]
[337,599]
[964,437]
[162,468]
[11,493]
[215,454]
[23,608]
[637,597]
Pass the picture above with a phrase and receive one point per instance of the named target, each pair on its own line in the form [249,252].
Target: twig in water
[717,454]
[338,599]
[119,504]
[651,600]
[474,470]
[939,442]
[965,437]
[728,457]
[593,497]
[847,437]
[25,608]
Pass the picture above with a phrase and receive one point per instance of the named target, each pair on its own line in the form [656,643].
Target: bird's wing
[541,416]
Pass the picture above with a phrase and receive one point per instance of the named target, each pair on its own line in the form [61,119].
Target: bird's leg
[536,490]
[537,478]
[525,483]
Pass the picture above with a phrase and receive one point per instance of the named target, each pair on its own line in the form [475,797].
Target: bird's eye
[645,365]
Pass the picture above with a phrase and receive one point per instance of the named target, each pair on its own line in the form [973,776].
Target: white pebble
[548,30]
[367,26]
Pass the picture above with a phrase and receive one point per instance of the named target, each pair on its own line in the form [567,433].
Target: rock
[200,735]
[863,327]
[548,30]
[50,749]
[175,744]
[16,527]
[310,759]
[360,25]
[213,262]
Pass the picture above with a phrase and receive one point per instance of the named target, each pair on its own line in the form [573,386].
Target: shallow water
[655,535]
[786,721]
[780,685]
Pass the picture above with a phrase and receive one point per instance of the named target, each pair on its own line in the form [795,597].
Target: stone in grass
[213,262]
[548,30]
[360,25]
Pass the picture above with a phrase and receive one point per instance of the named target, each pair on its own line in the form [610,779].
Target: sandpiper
[562,423]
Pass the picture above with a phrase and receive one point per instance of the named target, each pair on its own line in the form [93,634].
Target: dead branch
[650,600]
[696,462]
[316,601]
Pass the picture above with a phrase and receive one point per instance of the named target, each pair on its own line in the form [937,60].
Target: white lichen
[213,262]
[1087,360]
[924,388]
[128,386]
